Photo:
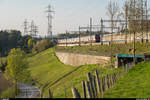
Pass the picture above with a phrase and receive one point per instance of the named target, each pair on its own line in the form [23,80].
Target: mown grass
[135,84]
[105,49]
[46,69]
[75,79]
[49,72]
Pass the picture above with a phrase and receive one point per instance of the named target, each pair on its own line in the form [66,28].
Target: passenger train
[85,39]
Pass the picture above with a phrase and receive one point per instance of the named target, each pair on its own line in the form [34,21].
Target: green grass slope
[75,79]
[46,68]
[49,72]
[135,84]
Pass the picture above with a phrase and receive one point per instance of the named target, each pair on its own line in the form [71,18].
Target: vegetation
[49,72]
[31,43]
[135,84]
[75,79]
[3,63]
[46,69]
[42,45]
[9,93]
[16,69]
[105,49]
[12,39]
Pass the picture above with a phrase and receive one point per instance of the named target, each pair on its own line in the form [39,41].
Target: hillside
[49,72]
[133,85]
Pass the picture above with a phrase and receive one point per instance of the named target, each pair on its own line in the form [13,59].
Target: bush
[42,45]
[3,63]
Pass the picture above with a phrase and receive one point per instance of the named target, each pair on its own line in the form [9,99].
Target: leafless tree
[112,12]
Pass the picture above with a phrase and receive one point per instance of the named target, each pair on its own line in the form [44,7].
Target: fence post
[115,77]
[75,93]
[65,91]
[108,86]
[50,94]
[91,84]
[94,86]
[84,89]
[89,93]
[41,95]
[103,85]
[110,83]
[97,82]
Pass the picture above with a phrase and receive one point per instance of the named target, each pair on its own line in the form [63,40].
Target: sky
[69,14]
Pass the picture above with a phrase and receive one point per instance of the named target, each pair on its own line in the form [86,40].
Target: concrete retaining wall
[80,59]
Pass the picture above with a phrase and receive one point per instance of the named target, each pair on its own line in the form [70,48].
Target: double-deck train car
[85,39]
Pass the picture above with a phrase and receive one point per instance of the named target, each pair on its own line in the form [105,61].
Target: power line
[25,27]
[33,29]
[50,17]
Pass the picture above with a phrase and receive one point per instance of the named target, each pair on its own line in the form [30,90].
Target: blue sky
[69,14]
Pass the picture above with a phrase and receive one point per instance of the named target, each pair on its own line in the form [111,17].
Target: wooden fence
[96,85]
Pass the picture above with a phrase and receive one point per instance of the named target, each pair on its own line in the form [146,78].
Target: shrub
[42,45]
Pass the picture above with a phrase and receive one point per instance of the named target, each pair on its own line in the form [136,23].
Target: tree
[31,43]
[16,69]
[112,12]
[42,45]
[125,14]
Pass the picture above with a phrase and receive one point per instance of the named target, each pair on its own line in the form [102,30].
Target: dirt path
[28,91]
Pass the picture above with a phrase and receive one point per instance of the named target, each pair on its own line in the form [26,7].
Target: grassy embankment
[49,72]
[133,85]
[105,49]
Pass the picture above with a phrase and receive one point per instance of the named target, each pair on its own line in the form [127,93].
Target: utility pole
[102,34]
[66,38]
[25,27]
[32,28]
[35,30]
[91,31]
[50,17]
[79,36]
